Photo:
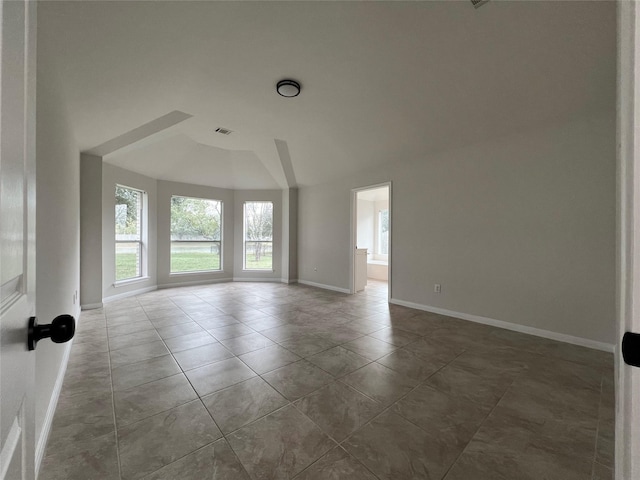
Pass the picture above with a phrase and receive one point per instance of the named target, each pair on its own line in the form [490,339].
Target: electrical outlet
[315,269]
[437,288]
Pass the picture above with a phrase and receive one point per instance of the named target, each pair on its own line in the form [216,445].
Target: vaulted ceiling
[147,83]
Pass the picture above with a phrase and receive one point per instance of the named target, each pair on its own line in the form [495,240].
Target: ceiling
[381,81]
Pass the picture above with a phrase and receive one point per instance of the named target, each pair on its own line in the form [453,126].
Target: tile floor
[269,381]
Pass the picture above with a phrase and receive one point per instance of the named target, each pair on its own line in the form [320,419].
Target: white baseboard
[326,287]
[91,306]
[538,332]
[132,293]
[288,281]
[41,444]
[194,282]
[255,279]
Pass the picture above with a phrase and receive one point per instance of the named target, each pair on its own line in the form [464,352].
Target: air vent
[478,3]
[223,131]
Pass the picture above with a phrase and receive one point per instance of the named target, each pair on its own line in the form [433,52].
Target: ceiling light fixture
[288,88]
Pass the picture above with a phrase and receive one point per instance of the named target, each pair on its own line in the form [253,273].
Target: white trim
[10,446]
[196,272]
[129,294]
[194,282]
[51,410]
[627,432]
[288,280]
[256,279]
[326,287]
[91,306]
[128,281]
[538,332]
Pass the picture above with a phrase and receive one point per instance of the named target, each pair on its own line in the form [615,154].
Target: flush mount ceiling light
[288,88]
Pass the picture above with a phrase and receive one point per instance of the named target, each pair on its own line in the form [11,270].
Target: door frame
[627,378]
[354,234]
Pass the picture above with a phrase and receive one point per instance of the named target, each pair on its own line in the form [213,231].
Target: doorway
[371,240]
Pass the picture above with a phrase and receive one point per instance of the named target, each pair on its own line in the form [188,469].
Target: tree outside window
[258,235]
[128,220]
[196,234]
[383,232]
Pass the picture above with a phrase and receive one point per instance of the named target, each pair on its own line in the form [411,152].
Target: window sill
[130,281]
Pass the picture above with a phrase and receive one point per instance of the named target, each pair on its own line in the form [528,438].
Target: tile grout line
[595,446]
[481,424]
[113,398]
[176,406]
[290,403]
[334,380]
[387,408]
[199,398]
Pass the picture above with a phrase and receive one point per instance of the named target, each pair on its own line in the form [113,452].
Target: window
[258,235]
[196,233]
[383,232]
[129,261]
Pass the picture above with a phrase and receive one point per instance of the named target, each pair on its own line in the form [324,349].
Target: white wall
[289,235]
[58,232]
[365,217]
[241,196]
[112,176]
[165,191]
[90,231]
[518,229]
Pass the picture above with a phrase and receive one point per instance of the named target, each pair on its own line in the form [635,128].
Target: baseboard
[538,332]
[326,287]
[51,410]
[195,282]
[288,281]
[91,306]
[256,279]
[132,293]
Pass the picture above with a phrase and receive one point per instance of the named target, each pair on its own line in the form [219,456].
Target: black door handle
[631,349]
[60,330]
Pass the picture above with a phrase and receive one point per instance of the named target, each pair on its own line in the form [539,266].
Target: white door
[17,237]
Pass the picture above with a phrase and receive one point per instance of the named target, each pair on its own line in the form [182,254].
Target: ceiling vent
[223,131]
[478,3]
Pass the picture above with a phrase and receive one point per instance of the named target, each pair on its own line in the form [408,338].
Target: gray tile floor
[269,381]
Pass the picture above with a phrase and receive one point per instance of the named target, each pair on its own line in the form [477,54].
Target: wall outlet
[437,288]
[315,269]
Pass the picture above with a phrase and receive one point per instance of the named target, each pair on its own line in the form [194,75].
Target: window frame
[219,242]
[245,240]
[378,237]
[142,251]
